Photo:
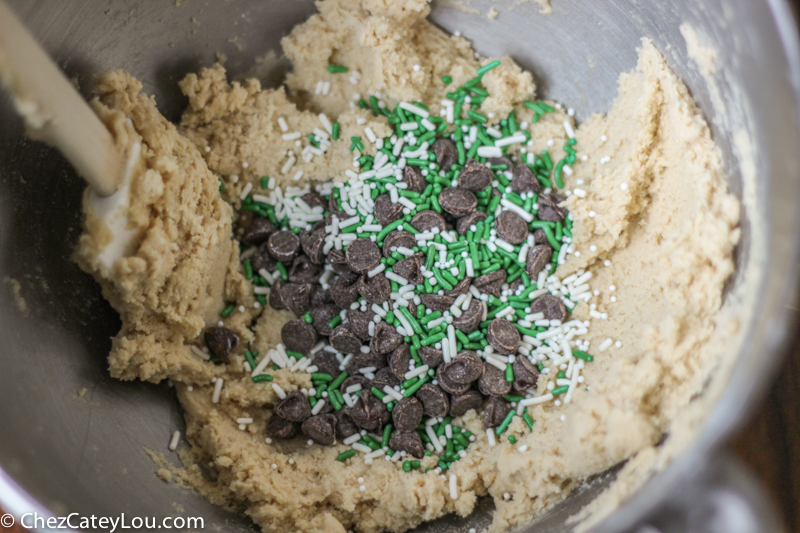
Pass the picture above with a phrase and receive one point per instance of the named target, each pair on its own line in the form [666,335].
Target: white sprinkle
[416,372]
[298,175]
[603,138]
[490,436]
[580,193]
[453,486]
[173,442]
[282,124]
[569,130]
[414,109]
[246,190]
[217,390]
[199,353]
[623,186]
[244,420]
[490,151]
[523,448]
[291,136]
[361,447]
[352,438]
[279,391]
[604,160]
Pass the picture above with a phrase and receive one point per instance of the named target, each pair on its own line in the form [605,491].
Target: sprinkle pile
[423,285]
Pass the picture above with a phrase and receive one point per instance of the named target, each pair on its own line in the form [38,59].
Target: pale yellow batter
[656,222]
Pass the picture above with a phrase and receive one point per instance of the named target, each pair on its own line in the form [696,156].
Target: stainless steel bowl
[74,440]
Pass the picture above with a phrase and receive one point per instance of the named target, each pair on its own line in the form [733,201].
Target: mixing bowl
[74,440]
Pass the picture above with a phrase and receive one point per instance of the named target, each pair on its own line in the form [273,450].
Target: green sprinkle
[262,378]
[337,69]
[335,321]
[307,318]
[282,270]
[416,386]
[346,455]
[378,393]
[583,355]
[509,373]
[474,115]
[447,80]
[227,311]
[321,376]
[506,422]
[527,419]
[338,381]
[264,182]
[387,433]
[432,339]
[512,439]
[560,390]
[335,131]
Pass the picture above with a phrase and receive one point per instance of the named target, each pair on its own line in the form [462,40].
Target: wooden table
[770,443]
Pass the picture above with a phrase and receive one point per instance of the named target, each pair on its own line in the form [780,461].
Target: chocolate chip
[321,317]
[550,306]
[398,238]
[514,285]
[344,289]
[387,212]
[359,322]
[319,296]
[457,201]
[362,255]
[326,363]
[384,377]
[465,367]
[298,336]
[321,429]
[283,245]
[511,227]
[313,243]
[363,360]
[495,412]
[258,231]
[369,412]
[220,341]
[294,407]
[431,356]
[526,376]
[540,237]
[434,400]
[280,428]
[276,295]
[409,268]
[523,180]
[427,220]
[413,176]
[437,302]
[461,403]
[503,336]
[491,283]
[448,385]
[469,319]
[475,176]
[410,442]
[304,271]
[344,340]
[445,152]
[472,219]
[407,414]
[296,297]
[549,210]
[345,427]
[338,262]
[314,199]
[398,361]
[539,256]
[263,259]
[375,289]
[493,381]
[460,288]
[385,339]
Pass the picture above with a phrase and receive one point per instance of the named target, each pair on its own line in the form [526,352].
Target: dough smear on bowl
[652,221]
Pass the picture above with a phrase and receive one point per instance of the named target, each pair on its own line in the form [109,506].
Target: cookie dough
[653,220]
